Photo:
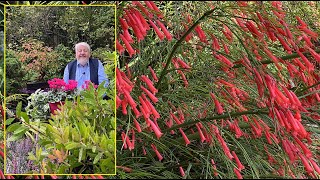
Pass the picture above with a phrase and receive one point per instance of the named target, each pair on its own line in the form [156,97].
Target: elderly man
[84,68]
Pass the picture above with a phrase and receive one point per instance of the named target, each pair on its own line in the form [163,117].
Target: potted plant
[59,91]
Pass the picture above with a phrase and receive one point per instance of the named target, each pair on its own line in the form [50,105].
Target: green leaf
[13,127]
[32,157]
[20,130]
[80,154]
[97,158]
[72,145]
[18,109]
[25,116]
[9,121]
[66,134]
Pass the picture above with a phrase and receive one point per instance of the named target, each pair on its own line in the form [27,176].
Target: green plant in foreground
[79,139]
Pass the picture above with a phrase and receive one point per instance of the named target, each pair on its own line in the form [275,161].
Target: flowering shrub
[60,91]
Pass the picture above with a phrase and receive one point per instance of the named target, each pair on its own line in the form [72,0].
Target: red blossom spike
[217,104]
[142,8]
[239,164]
[128,46]
[186,140]
[127,35]
[154,76]
[156,151]
[153,98]
[137,125]
[155,129]
[164,30]
[154,6]
[123,24]
[149,84]
[156,29]
[181,171]
[119,47]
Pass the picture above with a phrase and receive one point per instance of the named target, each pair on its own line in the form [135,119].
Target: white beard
[83,60]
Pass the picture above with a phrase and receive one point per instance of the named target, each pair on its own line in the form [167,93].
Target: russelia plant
[224,90]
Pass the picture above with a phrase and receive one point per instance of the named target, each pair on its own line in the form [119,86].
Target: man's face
[82,54]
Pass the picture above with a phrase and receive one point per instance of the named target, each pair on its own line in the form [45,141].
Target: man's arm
[101,75]
[66,75]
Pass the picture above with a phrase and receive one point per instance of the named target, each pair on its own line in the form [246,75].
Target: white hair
[82,44]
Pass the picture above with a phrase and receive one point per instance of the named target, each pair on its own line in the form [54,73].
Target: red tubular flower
[141,27]
[183,64]
[307,40]
[155,129]
[154,6]
[302,23]
[186,140]
[144,105]
[217,104]
[254,31]
[124,104]
[304,148]
[127,35]
[149,84]
[164,30]
[130,100]
[284,43]
[128,46]
[118,101]
[181,171]
[154,76]
[153,98]
[227,33]
[215,43]
[307,166]
[214,167]
[226,49]
[272,57]
[240,166]
[123,135]
[201,34]
[137,125]
[315,166]
[136,112]
[175,118]
[237,172]
[202,138]
[156,115]
[123,24]
[156,151]
[142,19]
[279,117]
[183,77]
[142,8]
[314,54]
[224,60]
[119,47]
[156,29]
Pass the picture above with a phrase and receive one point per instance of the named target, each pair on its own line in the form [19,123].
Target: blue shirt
[83,74]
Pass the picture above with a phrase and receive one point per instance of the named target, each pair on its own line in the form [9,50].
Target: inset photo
[60,90]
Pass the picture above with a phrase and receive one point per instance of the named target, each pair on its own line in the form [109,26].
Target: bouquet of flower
[60,91]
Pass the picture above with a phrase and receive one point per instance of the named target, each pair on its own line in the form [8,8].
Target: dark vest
[94,66]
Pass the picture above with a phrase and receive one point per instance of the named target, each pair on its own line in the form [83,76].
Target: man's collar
[87,64]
